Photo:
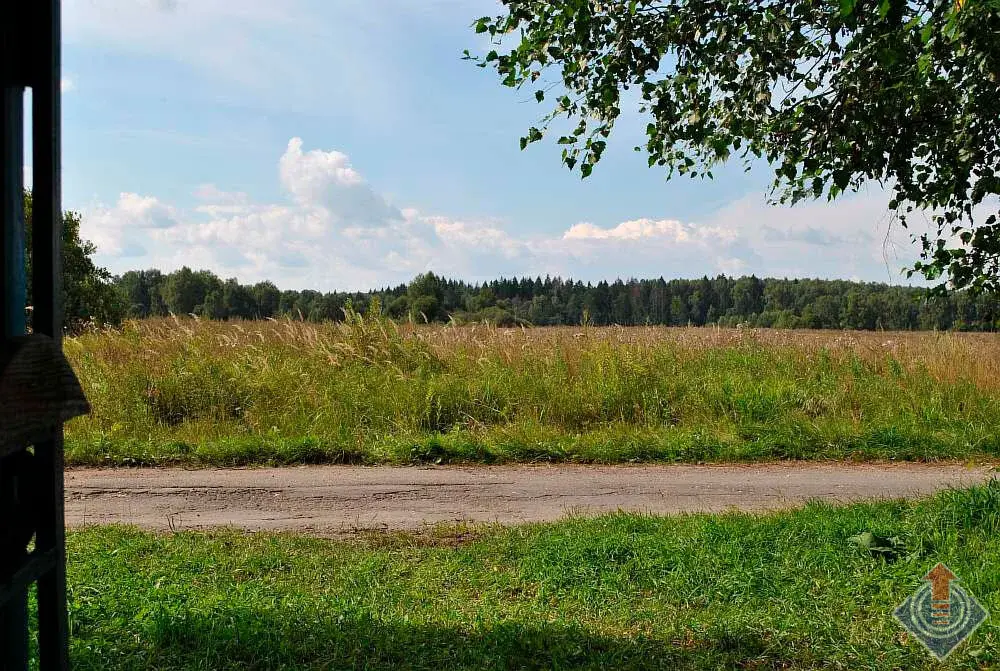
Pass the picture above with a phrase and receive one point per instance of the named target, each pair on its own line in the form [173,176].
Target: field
[181,391]
[788,591]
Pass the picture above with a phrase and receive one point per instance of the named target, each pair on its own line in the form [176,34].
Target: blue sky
[344,144]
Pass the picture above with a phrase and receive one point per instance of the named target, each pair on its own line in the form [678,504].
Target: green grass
[786,591]
[195,393]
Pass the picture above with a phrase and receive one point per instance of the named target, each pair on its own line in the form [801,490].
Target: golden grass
[372,390]
[946,356]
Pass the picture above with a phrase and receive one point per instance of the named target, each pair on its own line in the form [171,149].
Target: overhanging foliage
[831,93]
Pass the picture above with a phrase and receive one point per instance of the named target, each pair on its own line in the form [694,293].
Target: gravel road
[335,500]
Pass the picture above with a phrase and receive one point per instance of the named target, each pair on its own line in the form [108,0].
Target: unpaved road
[333,500]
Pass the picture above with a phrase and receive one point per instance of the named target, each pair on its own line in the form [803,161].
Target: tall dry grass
[370,390]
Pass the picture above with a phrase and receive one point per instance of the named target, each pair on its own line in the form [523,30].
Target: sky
[345,145]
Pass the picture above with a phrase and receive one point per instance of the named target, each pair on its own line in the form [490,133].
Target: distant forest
[777,303]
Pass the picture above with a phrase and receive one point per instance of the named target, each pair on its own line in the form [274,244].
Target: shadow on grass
[254,639]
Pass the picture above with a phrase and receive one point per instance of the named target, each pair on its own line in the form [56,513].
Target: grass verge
[371,391]
[780,591]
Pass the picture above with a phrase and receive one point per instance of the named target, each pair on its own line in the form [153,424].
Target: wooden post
[30,57]
[46,238]
[13,613]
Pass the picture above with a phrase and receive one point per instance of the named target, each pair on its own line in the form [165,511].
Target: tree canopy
[830,93]
[88,293]
[554,301]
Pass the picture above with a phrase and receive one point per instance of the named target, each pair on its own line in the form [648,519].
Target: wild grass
[371,391]
[734,591]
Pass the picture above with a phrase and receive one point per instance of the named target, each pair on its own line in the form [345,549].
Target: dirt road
[333,500]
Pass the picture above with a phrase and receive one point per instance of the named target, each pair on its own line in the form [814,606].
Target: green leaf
[842,179]
[927,33]
[539,95]
[888,548]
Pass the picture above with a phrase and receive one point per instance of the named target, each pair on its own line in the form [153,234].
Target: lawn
[181,391]
[787,590]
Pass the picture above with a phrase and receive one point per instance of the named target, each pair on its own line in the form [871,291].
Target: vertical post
[12,175]
[46,166]
[46,238]
[14,613]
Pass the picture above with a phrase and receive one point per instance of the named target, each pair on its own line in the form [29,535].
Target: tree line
[91,294]
[551,301]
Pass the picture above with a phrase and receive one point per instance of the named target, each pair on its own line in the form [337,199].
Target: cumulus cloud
[668,230]
[337,231]
[146,211]
[326,180]
[125,228]
[474,235]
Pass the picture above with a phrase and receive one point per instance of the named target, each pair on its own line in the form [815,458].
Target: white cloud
[125,228]
[853,236]
[668,230]
[218,203]
[210,193]
[146,211]
[326,179]
[731,266]
[66,85]
[474,235]
[337,231]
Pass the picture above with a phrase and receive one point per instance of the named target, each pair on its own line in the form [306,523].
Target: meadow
[782,591]
[183,391]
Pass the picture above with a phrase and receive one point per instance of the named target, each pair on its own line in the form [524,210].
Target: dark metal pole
[14,613]
[29,57]
[46,239]
[12,149]
[46,173]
